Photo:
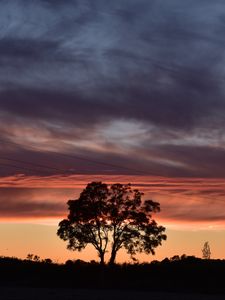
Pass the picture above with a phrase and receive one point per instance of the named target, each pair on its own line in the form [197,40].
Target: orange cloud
[184,201]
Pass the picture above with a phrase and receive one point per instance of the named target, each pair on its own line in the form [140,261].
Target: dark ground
[177,278]
[19,293]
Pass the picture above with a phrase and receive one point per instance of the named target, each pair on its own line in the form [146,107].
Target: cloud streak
[187,201]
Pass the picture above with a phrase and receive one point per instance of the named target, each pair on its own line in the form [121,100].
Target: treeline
[184,274]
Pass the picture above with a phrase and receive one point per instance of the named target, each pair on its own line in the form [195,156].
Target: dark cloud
[69,69]
[26,49]
[74,109]
[163,67]
[74,161]
[197,161]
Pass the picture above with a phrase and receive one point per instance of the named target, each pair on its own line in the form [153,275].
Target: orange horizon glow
[44,242]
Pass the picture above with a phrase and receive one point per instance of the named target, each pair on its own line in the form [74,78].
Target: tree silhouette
[115,215]
[206,252]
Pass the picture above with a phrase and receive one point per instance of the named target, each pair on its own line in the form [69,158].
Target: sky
[113,91]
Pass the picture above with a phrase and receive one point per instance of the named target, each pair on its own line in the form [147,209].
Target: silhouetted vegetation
[114,215]
[177,274]
[206,252]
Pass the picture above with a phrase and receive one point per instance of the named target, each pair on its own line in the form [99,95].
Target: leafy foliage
[115,214]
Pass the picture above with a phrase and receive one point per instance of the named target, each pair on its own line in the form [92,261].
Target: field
[18,293]
[177,278]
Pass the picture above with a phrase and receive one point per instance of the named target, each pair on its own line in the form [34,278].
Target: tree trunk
[102,259]
[113,257]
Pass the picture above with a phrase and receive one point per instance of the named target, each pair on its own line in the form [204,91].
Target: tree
[206,252]
[30,256]
[115,215]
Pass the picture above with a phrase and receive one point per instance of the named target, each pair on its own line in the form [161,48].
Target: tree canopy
[112,216]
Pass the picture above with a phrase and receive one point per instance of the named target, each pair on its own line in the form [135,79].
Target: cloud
[32,203]
[25,49]
[193,160]
[191,200]
[149,61]
[120,148]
